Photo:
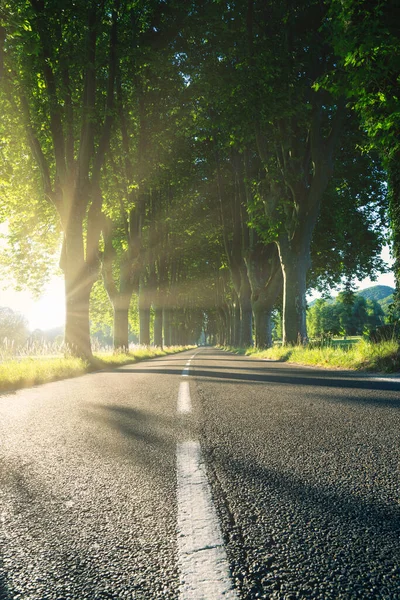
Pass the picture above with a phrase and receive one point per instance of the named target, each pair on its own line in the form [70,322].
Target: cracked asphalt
[303,465]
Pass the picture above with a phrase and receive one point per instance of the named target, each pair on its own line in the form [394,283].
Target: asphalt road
[302,464]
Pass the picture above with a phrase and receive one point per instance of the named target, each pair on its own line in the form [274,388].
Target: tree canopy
[208,163]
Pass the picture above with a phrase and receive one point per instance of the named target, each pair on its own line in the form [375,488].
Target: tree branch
[2,42]
[56,126]
[89,96]
[107,261]
[109,111]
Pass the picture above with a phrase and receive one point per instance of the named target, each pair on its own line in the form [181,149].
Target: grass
[362,356]
[26,372]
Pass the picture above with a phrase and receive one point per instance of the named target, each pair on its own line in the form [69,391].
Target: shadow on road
[384,518]
[291,377]
[131,422]
[4,592]
[327,525]
[143,436]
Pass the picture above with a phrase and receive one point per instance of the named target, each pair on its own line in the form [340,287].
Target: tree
[367,41]
[352,225]
[258,64]
[296,144]
[13,328]
[140,174]
[66,107]
[31,241]
[323,318]
[375,315]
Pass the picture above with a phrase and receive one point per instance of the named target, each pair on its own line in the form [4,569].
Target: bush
[361,356]
[385,333]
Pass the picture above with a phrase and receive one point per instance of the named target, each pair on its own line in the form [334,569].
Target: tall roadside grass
[23,372]
[363,356]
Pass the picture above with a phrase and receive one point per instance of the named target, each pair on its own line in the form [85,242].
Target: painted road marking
[185,372]
[203,564]
[184,401]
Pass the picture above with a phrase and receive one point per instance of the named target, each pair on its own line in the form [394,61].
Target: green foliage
[217,127]
[348,316]
[367,42]
[363,356]
[27,372]
[366,39]
[101,314]
[322,319]
[351,228]
[16,374]
[31,242]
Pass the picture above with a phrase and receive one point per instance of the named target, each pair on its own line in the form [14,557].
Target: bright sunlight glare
[45,313]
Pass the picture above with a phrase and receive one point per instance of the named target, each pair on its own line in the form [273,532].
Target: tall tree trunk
[77,329]
[295,265]
[223,325]
[231,327]
[158,326]
[144,318]
[236,322]
[144,326]
[79,276]
[246,318]
[263,326]
[265,276]
[394,212]
[167,326]
[121,326]
[302,196]
[120,297]
[173,327]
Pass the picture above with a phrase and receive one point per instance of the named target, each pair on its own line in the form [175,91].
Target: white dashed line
[184,401]
[203,565]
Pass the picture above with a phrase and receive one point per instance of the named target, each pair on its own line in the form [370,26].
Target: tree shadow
[132,422]
[4,591]
[384,518]
[142,436]
[292,378]
[328,526]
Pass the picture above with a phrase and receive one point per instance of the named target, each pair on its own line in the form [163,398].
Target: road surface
[201,475]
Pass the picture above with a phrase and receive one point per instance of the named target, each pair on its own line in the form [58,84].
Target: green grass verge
[364,356]
[16,374]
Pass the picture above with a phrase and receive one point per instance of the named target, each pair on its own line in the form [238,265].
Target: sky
[49,310]
[45,313]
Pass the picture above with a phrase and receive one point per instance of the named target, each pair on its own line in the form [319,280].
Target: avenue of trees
[197,165]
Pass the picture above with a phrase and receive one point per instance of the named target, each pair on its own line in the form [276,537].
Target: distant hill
[385,303]
[377,293]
